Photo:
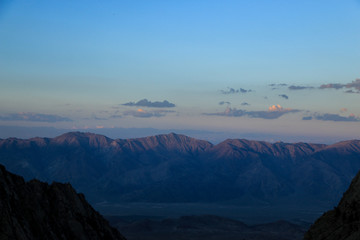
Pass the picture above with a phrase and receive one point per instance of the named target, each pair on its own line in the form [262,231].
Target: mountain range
[175,168]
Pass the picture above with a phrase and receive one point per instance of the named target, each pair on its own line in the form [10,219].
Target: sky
[271,70]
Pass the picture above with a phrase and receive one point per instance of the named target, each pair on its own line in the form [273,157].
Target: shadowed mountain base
[343,222]
[35,210]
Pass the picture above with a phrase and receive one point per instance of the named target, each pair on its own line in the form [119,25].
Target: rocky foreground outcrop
[343,222]
[37,210]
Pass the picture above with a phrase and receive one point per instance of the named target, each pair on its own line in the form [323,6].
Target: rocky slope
[343,222]
[177,168]
[35,210]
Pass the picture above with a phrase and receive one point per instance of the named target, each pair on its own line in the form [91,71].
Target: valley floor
[204,227]
[248,214]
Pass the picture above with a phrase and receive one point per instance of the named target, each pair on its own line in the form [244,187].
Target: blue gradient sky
[73,64]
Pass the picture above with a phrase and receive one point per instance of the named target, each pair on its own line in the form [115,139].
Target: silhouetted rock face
[343,222]
[36,210]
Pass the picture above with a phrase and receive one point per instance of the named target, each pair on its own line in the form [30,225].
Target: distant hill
[177,168]
[35,210]
[343,222]
[206,227]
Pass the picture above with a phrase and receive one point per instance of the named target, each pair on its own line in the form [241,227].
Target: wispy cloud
[245,104]
[351,91]
[223,102]
[294,87]
[230,112]
[337,118]
[34,117]
[147,103]
[141,113]
[333,117]
[275,86]
[274,112]
[233,91]
[354,86]
[284,96]
[332,85]
[278,85]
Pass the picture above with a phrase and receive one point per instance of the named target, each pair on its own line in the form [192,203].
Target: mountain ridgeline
[36,210]
[177,168]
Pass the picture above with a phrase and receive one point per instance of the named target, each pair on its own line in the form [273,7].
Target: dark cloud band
[293,87]
[354,86]
[147,103]
[332,117]
[284,96]
[271,114]
[234,91]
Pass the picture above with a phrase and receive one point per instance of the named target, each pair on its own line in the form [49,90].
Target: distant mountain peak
[278,149]
[82,138]
[169,141]
[79,135]
[349,144]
